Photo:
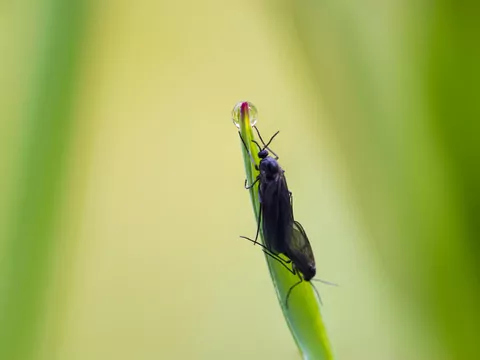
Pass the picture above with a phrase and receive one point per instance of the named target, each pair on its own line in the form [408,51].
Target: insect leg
[250,186]
[274,256]
[276,156]
[293,286]
[258,223]
[268,252]
[280,260]
[255,242]
[258,228]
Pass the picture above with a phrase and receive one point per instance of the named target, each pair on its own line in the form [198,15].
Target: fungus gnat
[281,233]
[275,213]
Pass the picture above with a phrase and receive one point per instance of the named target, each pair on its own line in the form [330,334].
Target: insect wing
[277,215]
[300,251]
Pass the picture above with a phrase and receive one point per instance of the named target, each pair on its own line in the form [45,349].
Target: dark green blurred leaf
[47,124]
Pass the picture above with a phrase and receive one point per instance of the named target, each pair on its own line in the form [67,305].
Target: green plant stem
[303,315]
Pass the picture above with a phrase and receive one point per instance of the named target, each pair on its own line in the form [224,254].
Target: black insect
[275,213]
[281,233]
[300,255]
[300,252]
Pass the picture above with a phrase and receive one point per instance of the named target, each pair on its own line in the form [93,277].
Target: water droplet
[244,106]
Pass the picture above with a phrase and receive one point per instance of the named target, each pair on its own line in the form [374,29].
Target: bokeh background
[122,177]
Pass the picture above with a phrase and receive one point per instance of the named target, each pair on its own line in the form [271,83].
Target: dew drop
[245,106]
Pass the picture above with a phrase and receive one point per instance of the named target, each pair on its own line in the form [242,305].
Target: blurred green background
[122,179]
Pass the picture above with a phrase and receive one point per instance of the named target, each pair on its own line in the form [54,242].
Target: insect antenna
[313,286]
[271,139]
[324,282]
[260,136]
[316,291]
[265,146]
